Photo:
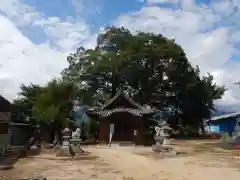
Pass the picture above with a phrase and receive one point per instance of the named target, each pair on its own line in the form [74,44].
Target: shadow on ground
[52,156]
[210,146]
[34,152]
[7,162]
[158,155]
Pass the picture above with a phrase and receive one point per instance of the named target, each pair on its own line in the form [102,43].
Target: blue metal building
[229,123]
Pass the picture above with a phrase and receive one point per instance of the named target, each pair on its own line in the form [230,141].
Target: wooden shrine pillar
[140,129]
[104,131]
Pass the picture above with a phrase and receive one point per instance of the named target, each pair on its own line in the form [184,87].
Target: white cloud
[200,47]
[22,61]
[229,75]
[18,12]
[80,7]
[208,34]
[65,34]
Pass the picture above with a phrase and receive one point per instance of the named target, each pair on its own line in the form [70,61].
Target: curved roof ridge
[118,94]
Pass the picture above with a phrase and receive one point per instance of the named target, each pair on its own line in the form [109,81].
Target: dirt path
[85,167]
[100,163]
[182,168]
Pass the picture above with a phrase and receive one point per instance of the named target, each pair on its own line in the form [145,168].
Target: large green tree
[49,105]
[53,106]
[152,69]
[54,103]
[197,100]
[139,63]
[26,99]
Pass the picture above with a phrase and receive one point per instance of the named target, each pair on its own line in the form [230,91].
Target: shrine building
[128,118]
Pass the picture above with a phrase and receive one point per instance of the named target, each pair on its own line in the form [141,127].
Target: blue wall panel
[223,126]
[227,126]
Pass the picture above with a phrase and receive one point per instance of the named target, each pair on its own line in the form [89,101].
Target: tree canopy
[48,104]
[150,68]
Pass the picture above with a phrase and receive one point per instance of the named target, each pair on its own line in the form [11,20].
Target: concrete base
[75,145]
[65,151]
[157,148]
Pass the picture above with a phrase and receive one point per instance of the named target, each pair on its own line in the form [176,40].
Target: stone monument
[75,141]
[162,138]
[158,138]
[65,149]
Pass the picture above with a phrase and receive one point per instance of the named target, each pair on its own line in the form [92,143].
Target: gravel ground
[200,161]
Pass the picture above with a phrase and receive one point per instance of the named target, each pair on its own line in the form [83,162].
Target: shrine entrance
[124,125]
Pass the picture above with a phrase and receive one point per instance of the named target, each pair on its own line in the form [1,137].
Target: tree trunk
[202,127]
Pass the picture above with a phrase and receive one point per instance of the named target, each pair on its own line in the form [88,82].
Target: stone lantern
[162,135]
[65,149]
[66,132]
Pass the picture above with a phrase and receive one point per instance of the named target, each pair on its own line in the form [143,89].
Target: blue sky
[103,14]
[36,36]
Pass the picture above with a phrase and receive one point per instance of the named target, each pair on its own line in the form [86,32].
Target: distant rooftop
[5,105]
[225,116]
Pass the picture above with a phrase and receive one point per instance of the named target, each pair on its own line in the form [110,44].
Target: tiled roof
[135,112]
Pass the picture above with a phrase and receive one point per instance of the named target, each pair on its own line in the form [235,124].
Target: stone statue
[158,131]
[76,134]
[75,141]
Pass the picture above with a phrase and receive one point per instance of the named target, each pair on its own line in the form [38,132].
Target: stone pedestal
[75,145]
[158,146]
[66,141]
[65,149]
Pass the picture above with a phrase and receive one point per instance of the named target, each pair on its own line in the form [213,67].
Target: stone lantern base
[65,149]
[159,142]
